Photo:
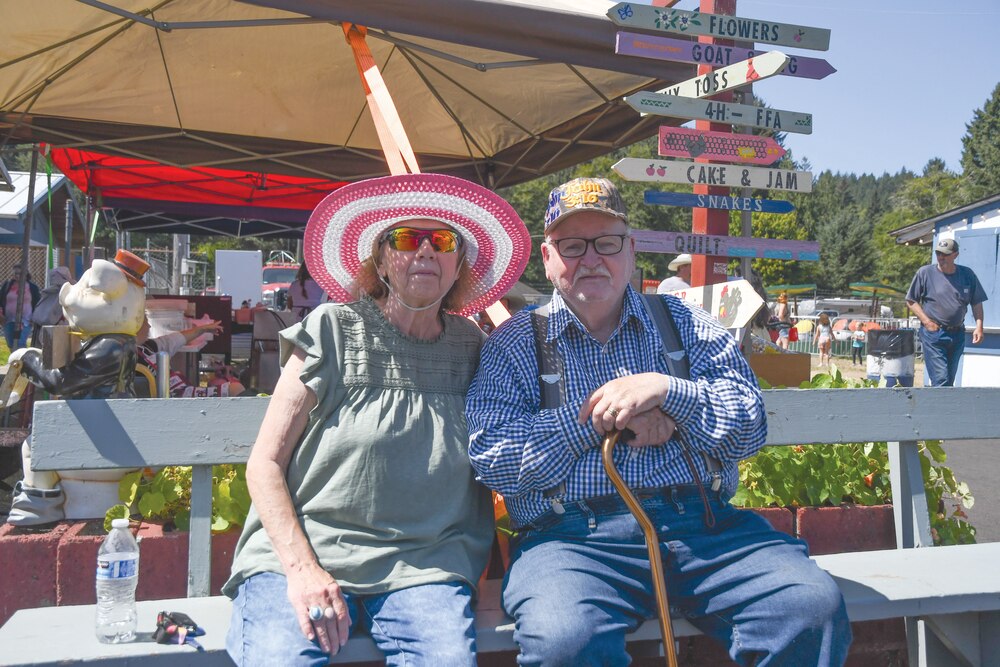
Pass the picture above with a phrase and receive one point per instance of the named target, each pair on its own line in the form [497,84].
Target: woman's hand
[315,587]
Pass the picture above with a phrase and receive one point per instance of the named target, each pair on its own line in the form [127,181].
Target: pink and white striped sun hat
[342,228]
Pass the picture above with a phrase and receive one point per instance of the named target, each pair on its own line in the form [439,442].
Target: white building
[976,227]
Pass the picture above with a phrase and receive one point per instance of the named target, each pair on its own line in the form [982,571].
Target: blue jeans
[580,582]
[942,352]
[422,625]
[8,334]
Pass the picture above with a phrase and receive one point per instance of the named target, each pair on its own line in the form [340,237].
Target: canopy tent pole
[29,219]
[67,260]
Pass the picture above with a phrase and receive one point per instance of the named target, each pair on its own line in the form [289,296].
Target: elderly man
[939,296]
[580,578]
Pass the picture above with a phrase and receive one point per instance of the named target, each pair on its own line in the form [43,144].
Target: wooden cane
[652,546]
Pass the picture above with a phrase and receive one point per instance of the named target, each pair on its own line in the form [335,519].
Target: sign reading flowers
[684,22]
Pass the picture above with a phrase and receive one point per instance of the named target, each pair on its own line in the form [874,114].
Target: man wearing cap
[939,296]
[681,266]
[579,578]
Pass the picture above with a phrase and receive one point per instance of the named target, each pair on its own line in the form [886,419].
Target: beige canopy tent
[231,84]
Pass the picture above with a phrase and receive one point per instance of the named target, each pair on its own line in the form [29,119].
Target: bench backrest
[202,432]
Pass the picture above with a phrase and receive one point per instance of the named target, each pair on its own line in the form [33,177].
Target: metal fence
[841,346]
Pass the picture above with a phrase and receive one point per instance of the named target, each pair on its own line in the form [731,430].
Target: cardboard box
[781,370]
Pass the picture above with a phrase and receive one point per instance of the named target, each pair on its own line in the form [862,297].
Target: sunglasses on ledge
[408,239]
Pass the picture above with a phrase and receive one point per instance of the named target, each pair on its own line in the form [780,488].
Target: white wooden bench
[949,595]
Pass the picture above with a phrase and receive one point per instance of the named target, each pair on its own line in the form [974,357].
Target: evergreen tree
[981,151]
[846,251]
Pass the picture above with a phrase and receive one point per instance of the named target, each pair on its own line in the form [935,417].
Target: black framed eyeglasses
[570,248]
[408,239]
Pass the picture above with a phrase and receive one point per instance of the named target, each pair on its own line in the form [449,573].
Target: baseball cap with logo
[583,194]
[946,246]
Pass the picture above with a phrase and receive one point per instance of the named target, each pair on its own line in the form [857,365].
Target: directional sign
[732,303]
[683,22]
[724,246]
[723,175]
[721,112]
[724,202]
[735,76]
[725,146]
[681,51]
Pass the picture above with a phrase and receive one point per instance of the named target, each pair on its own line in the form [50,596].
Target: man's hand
[652,427]
[977,334]
[931,325]
[615,403]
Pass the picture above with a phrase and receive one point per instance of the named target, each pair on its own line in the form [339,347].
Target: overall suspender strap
[551,385]
[550,365]
[680,367]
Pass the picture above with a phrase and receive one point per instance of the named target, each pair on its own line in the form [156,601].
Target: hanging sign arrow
[681,51]
[734,76]
[722,175]
[724,202]
[723,246]
[725,146]
[732,303]
[683,22]
[721,112]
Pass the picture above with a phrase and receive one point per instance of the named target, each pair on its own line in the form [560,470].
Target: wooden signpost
[732,303]
[723,246]
[747,148]
[724,202]
[721,112]
[699,173]
[734,76]
[683,22]
[681,51]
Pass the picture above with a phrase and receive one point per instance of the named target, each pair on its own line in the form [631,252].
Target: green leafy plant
[166,495]
[827,475]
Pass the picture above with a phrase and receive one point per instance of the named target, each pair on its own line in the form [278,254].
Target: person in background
[304,294]
[224,383]
[364,501]
[8,301]
[681,265]
[939,296]
[49,311]
[858,345]
[784,315]
[580,578]
[823,338]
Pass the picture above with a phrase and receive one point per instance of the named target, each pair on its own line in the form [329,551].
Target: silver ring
[315,613]
[613,412]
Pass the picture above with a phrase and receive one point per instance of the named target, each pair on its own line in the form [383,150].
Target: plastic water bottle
[117,576]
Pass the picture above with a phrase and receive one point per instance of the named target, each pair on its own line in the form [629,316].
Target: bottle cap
[119,523]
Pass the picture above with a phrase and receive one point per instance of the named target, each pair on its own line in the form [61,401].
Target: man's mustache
[590,273]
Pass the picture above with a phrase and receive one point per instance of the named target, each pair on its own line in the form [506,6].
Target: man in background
[681,266]
[939,296]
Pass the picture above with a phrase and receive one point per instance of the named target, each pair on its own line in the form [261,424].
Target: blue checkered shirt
[523,451]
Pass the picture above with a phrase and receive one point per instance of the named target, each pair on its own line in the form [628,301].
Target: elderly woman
[365,507]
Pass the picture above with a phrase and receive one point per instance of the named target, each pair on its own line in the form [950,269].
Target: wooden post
[711,221]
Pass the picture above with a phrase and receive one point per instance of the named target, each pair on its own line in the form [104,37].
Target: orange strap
[395,144]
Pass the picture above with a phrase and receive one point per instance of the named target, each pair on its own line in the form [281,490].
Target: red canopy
[142,195]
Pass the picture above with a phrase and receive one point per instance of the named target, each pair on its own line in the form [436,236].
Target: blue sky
[910,75]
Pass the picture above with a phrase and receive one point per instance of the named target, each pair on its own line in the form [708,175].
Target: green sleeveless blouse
[381,480]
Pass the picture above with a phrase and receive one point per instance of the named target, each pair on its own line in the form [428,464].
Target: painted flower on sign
[673,19]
